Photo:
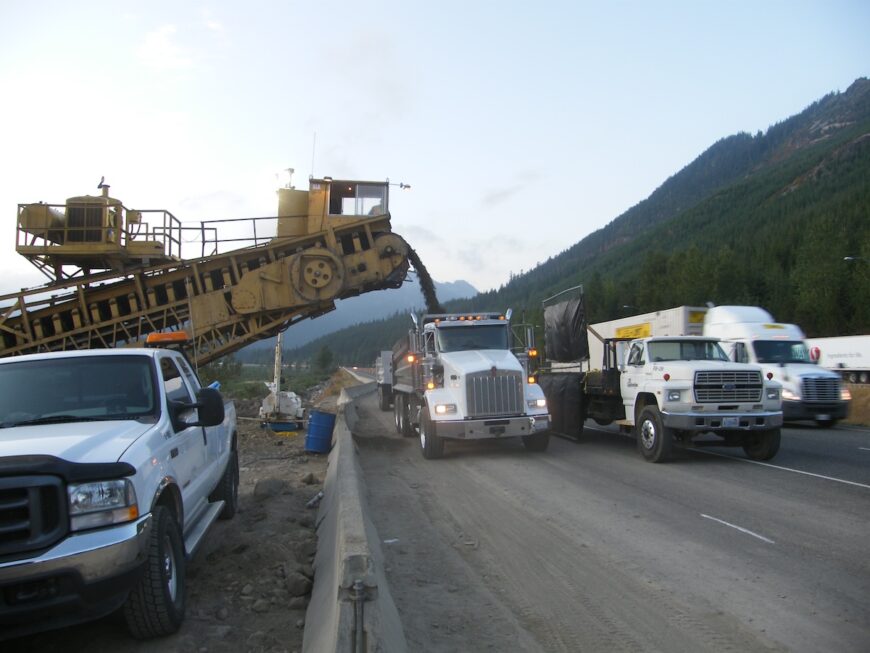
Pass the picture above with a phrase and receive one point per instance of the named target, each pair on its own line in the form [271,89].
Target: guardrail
[351,609]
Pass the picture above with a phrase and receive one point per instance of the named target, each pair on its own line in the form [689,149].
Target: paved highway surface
[588,547]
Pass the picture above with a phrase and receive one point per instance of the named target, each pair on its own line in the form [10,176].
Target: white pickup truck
[113,465]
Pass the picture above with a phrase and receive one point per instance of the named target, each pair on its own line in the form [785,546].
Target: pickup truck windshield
[76,389]
[466,338]
[686,350]
[781,351]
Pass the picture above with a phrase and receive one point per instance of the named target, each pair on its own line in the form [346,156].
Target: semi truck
[665,390]
[848,356]
[455,377]
[749,334]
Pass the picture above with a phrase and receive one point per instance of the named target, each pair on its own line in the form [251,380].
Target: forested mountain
[764,219]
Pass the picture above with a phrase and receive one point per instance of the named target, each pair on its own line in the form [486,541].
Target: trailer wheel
[654,441]
[384,398]
[762,446]
[537,441]
[431,445]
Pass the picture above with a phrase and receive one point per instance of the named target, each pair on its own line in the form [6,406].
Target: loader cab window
[355,198]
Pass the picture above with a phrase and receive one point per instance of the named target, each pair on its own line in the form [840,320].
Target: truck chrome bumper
[821,410]
[722,422]
[83,576]
[479,429]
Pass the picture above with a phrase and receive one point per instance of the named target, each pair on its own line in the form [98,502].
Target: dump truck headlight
[788,395]
[845,395]
[445,409]
[537,403]
[773,394]
[675,395]
[101,503]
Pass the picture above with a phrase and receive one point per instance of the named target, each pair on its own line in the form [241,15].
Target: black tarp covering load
[563,391]
[565,331]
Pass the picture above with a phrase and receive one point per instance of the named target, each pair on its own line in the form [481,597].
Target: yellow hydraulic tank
[292,212]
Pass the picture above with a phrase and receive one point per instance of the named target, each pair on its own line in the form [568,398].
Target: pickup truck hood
[479,360]
[79,442]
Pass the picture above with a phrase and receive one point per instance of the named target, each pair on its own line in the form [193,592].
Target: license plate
[823,417]
[731,422]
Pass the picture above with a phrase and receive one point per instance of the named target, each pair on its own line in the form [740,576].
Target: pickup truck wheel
[431,445]
[407,430]
[228,488]
[654,441]
[155,607]
[762,446]
[536,441]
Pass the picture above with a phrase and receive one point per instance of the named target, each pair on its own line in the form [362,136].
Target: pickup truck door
[188,447]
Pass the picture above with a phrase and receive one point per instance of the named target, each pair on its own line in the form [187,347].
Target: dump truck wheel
[764,445]
[536,441]
[431,445]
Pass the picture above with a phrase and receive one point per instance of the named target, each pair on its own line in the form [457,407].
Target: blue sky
[521,128]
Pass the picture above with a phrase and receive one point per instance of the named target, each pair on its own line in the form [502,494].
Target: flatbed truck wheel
[654,441]
[762,446]
[536,441]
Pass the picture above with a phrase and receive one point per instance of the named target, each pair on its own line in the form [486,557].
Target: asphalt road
[588,547]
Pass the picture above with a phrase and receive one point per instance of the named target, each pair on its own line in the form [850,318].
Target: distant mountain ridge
[762,219]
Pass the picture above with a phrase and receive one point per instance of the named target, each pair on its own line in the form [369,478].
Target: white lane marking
[787,469]
[863,449]
[739,528]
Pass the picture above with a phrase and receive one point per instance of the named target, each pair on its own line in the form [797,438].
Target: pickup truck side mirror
[210,404]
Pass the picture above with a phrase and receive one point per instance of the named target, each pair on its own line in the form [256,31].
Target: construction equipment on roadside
[118,274]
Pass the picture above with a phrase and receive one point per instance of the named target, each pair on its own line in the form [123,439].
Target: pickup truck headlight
[444,409]
[537,403]
[788,395]
[101,503]
[773,394]
[675,395]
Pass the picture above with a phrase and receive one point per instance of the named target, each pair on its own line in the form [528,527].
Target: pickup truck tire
[431,445]
[155,607]
[228,488]
[762,446]
[536,441]
[654,441]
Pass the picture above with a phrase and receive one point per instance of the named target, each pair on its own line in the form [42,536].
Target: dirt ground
[250,583]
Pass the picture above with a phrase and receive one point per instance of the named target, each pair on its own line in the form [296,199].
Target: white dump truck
[455,377]
[749,334]
[384,378]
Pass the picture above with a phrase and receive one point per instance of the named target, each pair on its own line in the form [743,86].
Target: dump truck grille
[32,513]
[820,389]
[494,392]
[728,386]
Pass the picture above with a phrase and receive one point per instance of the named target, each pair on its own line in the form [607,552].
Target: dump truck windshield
[686,350]
[466,338]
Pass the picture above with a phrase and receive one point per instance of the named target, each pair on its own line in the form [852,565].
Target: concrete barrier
[351,609]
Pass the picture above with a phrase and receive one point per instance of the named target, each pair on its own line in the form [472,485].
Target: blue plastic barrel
[320,425]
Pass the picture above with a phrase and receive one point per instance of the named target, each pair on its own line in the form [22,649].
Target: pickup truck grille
[494,393]
[33,513]
[729,386]
[818,389]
